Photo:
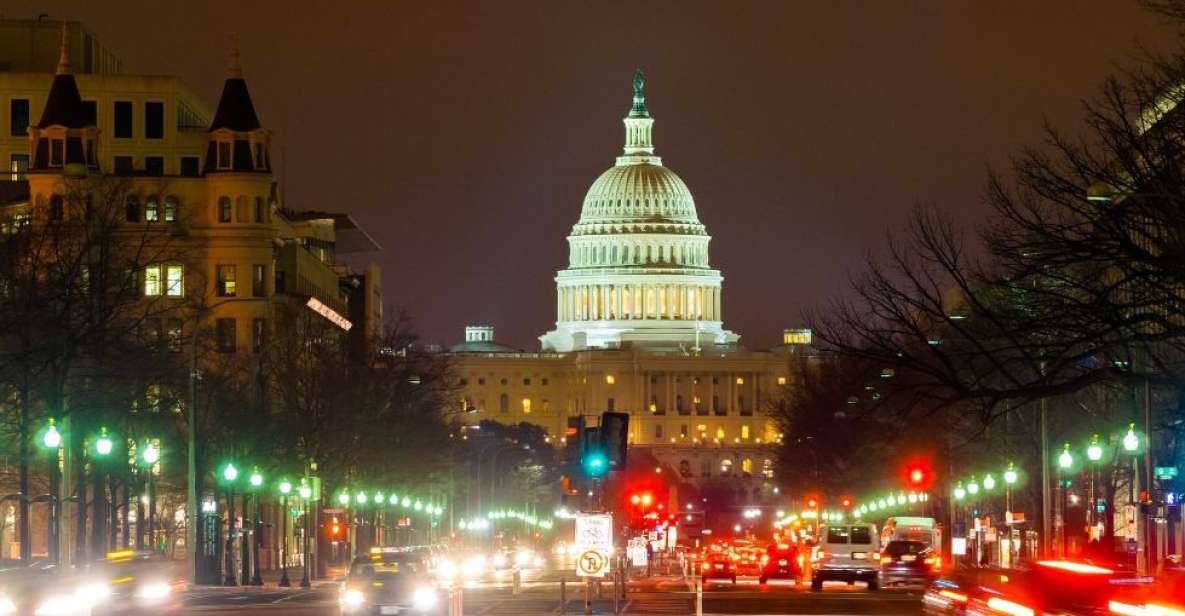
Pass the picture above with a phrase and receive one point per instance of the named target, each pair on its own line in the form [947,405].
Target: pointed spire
[638,110]
[64,52]
[234,69]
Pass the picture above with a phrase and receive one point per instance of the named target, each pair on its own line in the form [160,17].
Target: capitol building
[640,329]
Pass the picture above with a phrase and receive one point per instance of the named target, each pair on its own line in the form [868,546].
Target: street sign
[592,563]
[594,543]
[1166,472]
[958,546]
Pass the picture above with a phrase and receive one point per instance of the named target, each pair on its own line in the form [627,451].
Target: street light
[343,498]
[306,493]
[960,492]
[973,487]
[1094,451]
[1010,475]
[285,490]
[1131,442]
[104,444]
[1065,459]
[150,456]
[230,474]
[989,482]
[51,441]
[256,481]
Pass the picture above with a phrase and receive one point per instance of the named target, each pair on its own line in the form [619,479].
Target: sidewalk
[271,580]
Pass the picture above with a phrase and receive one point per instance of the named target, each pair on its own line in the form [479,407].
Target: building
[239,262]
[639,329]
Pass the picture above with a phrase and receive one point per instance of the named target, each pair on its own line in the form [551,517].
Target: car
[718,565]
[749,560]
[390,582]
[908,562]
[846,553]
[1066,588]
[781,561]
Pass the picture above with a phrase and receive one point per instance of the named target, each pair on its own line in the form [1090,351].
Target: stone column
[716,304]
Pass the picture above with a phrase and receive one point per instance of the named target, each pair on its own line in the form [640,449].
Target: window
[658,431]
[190,167]
[55,152]
[679,405]
[152,282]
[260,162]
[781,380]
[740,380]
[747,467]
[716,406]
[124,165]
[767,468]
[223,155]
[18,164]
[123,120]
[720,433]
[226,281]
[170,209]
[258,288]
[526,381]
[543,382]
[259,209]
[546,405]
[502,381]
[745,410]
[241,209]
[705,468]
[154,166]
[225,330]
[861,535]
[258,334]
[610,379]
[152,210]
[745,431]
[90,152]
[526,406]
[173,335]
[726,467]
[503,403]
[610,404]
[175,280]
[90,113]
[481,381]
[224,209]
[154,120]
[57,206]
[684,468]
[281,283]
[18,117]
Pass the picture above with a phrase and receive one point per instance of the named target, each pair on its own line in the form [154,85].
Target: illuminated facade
[640,330]
[638,272]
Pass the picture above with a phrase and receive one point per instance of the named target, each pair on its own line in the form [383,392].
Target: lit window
[701,428]
[745,431]
[151,210]
[224,209]
[170,210]
[152,286]
[610,379]
[781,380]
[174,280]
[720,433]
[747,467]
[526,405]
[726,466]
[740,380]
[226,281]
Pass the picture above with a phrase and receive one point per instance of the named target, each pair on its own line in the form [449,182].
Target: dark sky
[463,136]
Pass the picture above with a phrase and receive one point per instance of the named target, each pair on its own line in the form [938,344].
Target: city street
[657,595]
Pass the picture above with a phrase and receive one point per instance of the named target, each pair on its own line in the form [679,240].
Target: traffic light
[918,475]
[335,529]
[593,459]
[812,503]
[845,503]
[615,432]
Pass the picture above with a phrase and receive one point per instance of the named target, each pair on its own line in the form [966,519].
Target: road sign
[1166,472]
[594,543]
[592,563]
[958,546]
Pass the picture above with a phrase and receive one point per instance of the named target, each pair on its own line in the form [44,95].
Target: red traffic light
[845,503]
[812,503]
[917,476]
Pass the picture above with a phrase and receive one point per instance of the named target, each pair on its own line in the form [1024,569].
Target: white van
[846,553]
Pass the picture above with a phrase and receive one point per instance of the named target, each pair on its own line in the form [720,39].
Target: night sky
[462,136]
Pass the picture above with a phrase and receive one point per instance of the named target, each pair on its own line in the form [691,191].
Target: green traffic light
[596,464]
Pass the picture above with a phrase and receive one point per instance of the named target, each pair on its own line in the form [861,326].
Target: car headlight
[7,606]
[522,557]
[423,599]
[92,594]
[155,591]
[537,562]
[352,598]
[474,566]
[61,606]
[446,569]
[500,560]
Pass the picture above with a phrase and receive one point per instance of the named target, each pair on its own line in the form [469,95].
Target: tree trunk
[80,550]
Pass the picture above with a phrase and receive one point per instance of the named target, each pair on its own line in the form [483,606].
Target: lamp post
[149,457]
[1065,461]
[51,441]
[1010,477]
[285,489]
[1094,453]
[229,475]
[306,493]
[256,482]
[103,446]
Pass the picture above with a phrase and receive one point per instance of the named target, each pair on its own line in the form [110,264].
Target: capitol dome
[638,271]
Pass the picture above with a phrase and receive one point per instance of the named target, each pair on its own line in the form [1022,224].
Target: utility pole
[1045,526]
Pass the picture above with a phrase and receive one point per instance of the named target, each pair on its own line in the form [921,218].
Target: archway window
[747,467]
[170,209]
[152,210]
[504,403]
[526,406]
[132,209]
[726,467]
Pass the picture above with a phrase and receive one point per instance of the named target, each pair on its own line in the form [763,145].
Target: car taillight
[800,559]
[1126,609]
[765,559]
[934,562]
[1005,606]
[1155,609]
[707,566]
[886,560]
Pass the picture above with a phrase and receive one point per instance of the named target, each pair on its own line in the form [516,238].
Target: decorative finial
[64,51]
[234,70]
[639,108]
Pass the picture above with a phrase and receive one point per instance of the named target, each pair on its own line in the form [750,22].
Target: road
[541,596]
